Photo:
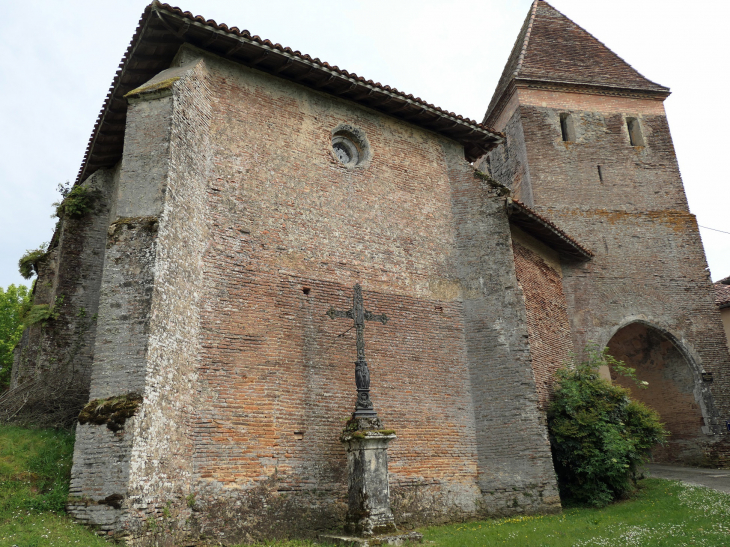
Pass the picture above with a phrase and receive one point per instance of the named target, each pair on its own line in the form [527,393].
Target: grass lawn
[34,475]
[35,466]
[663,513]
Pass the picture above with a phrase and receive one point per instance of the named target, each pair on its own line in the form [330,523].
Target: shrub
[14,303]
[598,436]
[76,202]
[28,263]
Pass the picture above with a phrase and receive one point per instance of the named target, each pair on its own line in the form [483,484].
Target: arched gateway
[676,389]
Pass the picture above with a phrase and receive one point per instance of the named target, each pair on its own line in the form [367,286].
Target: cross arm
[370,316]
[333,313]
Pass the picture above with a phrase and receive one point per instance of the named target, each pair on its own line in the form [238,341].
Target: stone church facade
[242,189]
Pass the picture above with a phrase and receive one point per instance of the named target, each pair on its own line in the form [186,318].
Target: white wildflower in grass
[710,502]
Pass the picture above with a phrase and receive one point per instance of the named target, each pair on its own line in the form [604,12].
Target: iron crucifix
[358,313]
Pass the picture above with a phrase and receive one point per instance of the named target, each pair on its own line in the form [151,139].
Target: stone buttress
[147,338]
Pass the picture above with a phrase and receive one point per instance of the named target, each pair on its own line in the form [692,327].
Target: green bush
[598,436]
[14,303]
[28,263]
[76,202]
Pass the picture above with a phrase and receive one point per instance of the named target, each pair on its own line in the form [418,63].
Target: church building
[241,189]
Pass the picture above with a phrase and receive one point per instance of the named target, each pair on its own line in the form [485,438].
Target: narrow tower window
[566,127]
[635,136]
[600,173]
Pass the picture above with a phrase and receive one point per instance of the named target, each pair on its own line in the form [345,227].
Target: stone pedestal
[369,520]
[369,495]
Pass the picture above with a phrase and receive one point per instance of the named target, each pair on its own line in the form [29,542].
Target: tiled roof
[722,293]
[553,49]
[545,230]
[163,29]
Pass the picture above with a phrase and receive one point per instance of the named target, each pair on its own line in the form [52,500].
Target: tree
[14,304]
[599,437]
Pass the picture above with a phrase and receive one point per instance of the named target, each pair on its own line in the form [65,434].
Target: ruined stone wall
[548,325]
[52,368]
[649,264]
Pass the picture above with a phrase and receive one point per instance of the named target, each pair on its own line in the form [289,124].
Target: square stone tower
[588,145]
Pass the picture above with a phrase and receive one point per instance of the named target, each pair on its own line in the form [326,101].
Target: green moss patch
[149,224]
[78,203]
[112,411]
[502,190]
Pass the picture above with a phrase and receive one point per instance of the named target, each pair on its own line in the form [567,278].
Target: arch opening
[673,389]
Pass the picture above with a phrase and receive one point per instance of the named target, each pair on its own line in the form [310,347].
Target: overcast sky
[57,60]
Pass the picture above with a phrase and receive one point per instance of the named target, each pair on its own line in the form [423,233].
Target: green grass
[663,513]
[34,474]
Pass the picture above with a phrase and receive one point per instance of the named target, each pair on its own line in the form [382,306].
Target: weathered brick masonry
[622,196]
[240,229]
[540,275]
[227,227]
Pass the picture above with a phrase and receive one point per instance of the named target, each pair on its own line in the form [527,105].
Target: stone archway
[673,389]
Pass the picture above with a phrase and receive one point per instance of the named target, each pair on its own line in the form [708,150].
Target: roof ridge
[157,5]
[473,135]
[531,18]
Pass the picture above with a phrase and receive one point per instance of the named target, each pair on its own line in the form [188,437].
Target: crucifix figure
[358,313]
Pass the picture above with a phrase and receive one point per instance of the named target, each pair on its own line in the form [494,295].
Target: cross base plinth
[405,538]
[369,511]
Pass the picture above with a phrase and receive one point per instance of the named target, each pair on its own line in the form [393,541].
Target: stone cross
[358,313]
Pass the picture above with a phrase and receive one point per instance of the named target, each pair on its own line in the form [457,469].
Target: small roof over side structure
[163,29]
[545,230]
[722,293]
[552,52]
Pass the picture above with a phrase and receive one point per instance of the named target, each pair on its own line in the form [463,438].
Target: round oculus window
[345,150]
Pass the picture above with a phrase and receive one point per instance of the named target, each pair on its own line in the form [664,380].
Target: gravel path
[719,479]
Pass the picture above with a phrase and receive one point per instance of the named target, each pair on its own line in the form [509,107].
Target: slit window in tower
[600,174]
[635,136]
[566,127]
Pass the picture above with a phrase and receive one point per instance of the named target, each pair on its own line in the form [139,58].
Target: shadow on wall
[672,391]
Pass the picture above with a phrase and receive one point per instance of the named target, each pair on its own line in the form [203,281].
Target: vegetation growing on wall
[599,437]
[14,302]
[75,202]
[113,411]
[29,262]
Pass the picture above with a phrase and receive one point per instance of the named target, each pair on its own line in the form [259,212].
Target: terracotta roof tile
[722,293]
[546,230]
[163,29]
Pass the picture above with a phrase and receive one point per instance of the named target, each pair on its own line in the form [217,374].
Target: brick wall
[430,247]
[246,231]
[649,264]
[670,390]
[540,276]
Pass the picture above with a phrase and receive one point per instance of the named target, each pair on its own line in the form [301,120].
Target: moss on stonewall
[112,411]
[502,190]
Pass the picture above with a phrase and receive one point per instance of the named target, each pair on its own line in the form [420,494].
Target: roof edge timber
[178,28]
[544,230]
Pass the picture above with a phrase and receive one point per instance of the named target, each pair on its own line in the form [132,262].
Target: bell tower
[588,146]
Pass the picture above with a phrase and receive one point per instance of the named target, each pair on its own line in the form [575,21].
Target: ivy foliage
[28,263]
[14,303]
[599,437]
